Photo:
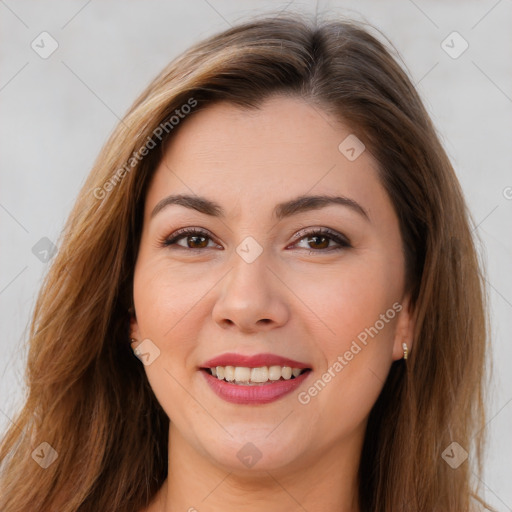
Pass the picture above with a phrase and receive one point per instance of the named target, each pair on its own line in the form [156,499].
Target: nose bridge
[250,295]
[249,274]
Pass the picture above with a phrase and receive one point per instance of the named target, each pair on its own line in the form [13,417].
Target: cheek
[362,308]
[349,300]
[354,334]
[165,297]
[164,303]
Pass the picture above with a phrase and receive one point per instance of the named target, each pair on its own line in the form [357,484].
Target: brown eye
[196,239]
[321,239]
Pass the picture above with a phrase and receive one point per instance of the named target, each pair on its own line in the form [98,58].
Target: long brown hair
[88,396]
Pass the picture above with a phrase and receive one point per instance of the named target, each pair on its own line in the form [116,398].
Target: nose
[252,298]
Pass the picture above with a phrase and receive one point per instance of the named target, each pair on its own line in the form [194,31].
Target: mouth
[253,379]
[257,376]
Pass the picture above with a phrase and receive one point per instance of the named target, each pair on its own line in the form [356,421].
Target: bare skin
[307,298]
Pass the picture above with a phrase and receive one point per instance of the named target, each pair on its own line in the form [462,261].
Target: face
[311,289]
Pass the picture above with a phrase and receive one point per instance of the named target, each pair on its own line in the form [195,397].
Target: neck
[325,481]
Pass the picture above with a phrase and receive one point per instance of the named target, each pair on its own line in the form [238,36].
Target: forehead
[278,125]
[285,148]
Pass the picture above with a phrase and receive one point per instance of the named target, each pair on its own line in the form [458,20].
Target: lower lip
[262,394]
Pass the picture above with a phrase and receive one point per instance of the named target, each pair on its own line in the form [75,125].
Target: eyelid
[170,240]
[318,229]
[340,239]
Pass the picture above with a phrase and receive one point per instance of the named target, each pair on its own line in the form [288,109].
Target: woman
[267,295]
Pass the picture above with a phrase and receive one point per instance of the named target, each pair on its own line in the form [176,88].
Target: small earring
[406,350]
[133,340]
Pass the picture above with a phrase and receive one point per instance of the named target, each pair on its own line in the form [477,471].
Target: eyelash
[324,232]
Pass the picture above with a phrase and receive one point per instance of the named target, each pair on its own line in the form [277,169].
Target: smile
[253,379]
[246,392]
[246,376]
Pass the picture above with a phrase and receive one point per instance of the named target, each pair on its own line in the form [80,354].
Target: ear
[404,330]
[134,326]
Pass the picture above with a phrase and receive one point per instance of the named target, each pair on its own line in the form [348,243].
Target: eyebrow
[281,211]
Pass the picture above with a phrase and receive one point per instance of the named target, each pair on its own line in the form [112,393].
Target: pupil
[319,237]
[195,237]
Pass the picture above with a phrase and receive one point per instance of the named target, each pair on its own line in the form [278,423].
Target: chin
[253,453]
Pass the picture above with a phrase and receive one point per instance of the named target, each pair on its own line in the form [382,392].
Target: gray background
[57,112]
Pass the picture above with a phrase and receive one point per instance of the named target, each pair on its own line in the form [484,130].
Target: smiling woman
[275,305]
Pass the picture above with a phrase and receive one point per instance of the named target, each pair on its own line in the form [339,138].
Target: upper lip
[254,361]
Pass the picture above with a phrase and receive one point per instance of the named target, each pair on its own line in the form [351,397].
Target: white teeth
[229,373]
[242,374]
[262,374]
[259,374]
[274,373]
[286,372]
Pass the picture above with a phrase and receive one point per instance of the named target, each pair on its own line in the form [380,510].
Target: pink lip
[232,359]
[252,395]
